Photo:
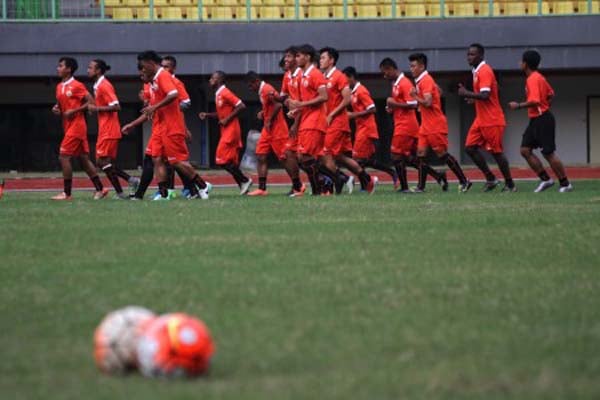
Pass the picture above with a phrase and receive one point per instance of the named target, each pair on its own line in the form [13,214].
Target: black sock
[311,168]
[68,184]
[262,183]
[236,173]
[97,183]
[564,181]
[187,183]
[504,169]
[480,162]
[422,174]
[364,178]
[297,184]
[455,167]
[400,166]
[544,175]
[163,189]
[199,181]
[341,175]
[414,162]
[121,174]
[146,178]
[170,177]
[381,167]
[112,177]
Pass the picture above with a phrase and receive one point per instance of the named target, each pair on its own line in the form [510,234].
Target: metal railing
[282,10]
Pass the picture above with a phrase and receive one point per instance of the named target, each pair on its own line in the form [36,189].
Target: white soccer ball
[115,339]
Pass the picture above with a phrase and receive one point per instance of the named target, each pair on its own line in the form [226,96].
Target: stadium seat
[220,13]
[563,7]
[363,11]
[184,3]
[582,7]
[415,10]
[289,12]
[122,13]
[532,8]
[436,11]
[270,12]
[464,10]
[191,13]
[135,3]
[385,11]
[318,12]
[338,12]
[112,3]
[158,3]
[228,2]
[144,13]
[171,13]
[241,12]
[514,8]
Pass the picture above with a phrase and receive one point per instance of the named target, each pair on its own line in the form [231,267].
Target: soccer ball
[116,338]
[175,345]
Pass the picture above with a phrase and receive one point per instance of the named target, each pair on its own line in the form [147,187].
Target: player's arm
[391,103]
[425,100]
[484,94]
[346,100]
[169,98]
[126,129]
[294,128]
[56,109]
[359,114]
[515,105]
[87,99]
[206,115]
[238,109]
[276,109]
[185,104]
[320,98]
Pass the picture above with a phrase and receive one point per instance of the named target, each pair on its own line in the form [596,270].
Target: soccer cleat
[350,184]
[372,184]
[186,194]
[158,197]
[464,187]
[203,193]
[339,186]
[407,191]
[417,190]
[209,187]
[565,189]
[443,181]
[100,194]
[543,185]
[245,187]
[507,189]
[298,193]
[490,185]
[258,192]
[133,183]
[61,196]
[122,196]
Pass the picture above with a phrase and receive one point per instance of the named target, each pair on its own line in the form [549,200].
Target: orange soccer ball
[175,345]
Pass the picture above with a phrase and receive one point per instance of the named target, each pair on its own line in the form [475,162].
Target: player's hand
[268,125]
[351,115]
[388,102]
[513,105]
[223,121]
[293,133]
[56,110]
[149,111]
[461,90]
[470,101]
[69,114]
[92,108]
[126,130]
[259,115]
[202,116]
[329,119]
[188,136]
[292,114]
[413,93]
[293,105]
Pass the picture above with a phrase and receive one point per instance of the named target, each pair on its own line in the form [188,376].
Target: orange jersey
[108,121]
[405,119]
[489,112]
[433,119]
[226,102]
[182,94]
[538,90]
[362,101]
[314,117]
[336,83]
[70,95]
[279,126]
[168,117]
[290,86]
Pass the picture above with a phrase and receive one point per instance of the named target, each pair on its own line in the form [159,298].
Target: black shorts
[540,133]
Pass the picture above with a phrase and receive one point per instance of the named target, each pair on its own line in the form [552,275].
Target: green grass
[440,296]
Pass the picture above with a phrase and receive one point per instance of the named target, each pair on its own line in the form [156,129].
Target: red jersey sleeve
[486,78]
[425,86]
[533,90]
[165,83]
[79,91]
[231,98]
[365,99]
[108,92]
[284,86]
[342,82]
[317,80]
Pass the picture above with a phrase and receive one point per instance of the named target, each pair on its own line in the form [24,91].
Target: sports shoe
[565,189]
[133,183]
[417,190]
[372,184]
[258,192]
[506,189]
[245,187]
[490,185]
[171,194]
[350,184]
[158,197]
[443,182]
[100,194]
[464,187]
[298,193]
[185,193]
[209,187]
[122,196]
[61,196]
[203,193]
[407,191]
[543,185]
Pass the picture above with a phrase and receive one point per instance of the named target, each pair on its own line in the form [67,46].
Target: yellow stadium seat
[184,3]
[270,12]
[219,13]
[582,7]
[318,12]
[135,3]
[436,11]
[338,12]
[171,13]
[415,10]
[363,11]
[532,8]
[144,13]
[112,3]
[514,8]
[191,13]
[228,2]
[464,9]
[563,7]
[241,13]
[385,11]
[159,3]
[289,12]
[122,13]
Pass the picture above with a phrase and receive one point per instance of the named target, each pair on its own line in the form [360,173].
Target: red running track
[279,177]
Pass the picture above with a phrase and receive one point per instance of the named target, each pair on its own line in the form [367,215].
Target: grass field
[440,296]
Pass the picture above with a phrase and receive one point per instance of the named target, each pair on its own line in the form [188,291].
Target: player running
[228,107]
[433,132]
[487,130]
[274,136]
[106,105]
[540,132]
[72,99]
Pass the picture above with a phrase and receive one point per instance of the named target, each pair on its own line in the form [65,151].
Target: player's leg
[475,139]
[146,178]
[67,172]
[290,163]
[545,136]
[262,170]
[227,157]
[559,170]
[400,161]
[439,144]
[106,166]
[160,172]
[90,170]
[529,142]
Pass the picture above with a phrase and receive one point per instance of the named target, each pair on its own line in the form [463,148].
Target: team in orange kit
[72,101]
[433,132]
[228,107]
[487,130]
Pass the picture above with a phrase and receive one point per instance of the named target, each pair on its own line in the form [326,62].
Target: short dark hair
[101,65]
[479,48]
[308,50]
[252,76]
[221,75]
[282,62]
[149,55]
[351,72]
[70,63]
[421,58]
[171,59]
[388,63]
[292,49]
[532,58]
[333,53]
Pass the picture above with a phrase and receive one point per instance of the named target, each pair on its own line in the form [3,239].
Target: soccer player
[228,150]
[338,141]
[274,136]
[366,135]
[487,130]
[72,101]
[169,137]
[106,105]
[541,129]
[433,132]
[403,107]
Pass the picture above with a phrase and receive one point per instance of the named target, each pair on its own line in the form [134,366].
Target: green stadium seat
[514,8]
[122,13]
[563,7]
[171,13]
